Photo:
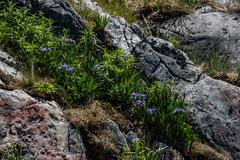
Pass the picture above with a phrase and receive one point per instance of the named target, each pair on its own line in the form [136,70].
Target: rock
[8,69]
[215,111]
[214,106]
[167,153]
[207,30]
[120,35]
[59,10]
[116,135]
[39,127]
[159,60]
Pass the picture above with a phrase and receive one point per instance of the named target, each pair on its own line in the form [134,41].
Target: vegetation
[15,153]
[141,152]
[83,69]
[212,64]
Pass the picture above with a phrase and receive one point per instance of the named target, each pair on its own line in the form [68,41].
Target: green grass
[140,152]
[84,70]
[212,64]
[118,8]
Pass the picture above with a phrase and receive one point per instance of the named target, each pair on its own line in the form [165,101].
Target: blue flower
[46,49]
[134,95]
[64,66]
[176,110]
[151,110]
[143,96]
[139,103]
[70,70]
[67,68]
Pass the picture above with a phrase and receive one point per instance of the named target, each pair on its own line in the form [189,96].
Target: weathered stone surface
[159,60]
[120,35]
[39,126]
[167,153]
[206,29]
[59,10]
[215,110]
[214,105]
[8,68]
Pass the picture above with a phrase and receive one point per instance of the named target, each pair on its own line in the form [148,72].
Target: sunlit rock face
[39,127]
[213,105]
[206,31]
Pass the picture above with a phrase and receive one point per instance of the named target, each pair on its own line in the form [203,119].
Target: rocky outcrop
[39,127]
[59,10]
[8,69]
[207,31]
[159,60]
[214,105]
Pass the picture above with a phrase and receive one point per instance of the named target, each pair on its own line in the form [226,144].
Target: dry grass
[206,152]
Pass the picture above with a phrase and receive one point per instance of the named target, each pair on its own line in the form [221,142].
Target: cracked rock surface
[8,69]
[59,10]
[206,29]
[214,105]
[39,127]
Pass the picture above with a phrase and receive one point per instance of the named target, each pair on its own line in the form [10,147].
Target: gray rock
[206,29]
[116,135]
[59,10]
[120,35]
[215,111]
[8,69]
[39,126]
[131,138]
[214,105]
[167,153]
[159,60]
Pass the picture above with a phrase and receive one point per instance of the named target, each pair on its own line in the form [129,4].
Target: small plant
[101,22]
[44,87]
[140,152]
[15,153]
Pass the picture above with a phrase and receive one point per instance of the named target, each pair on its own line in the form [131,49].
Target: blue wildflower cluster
[46,49]
[67,68]
[177,110]
[139,98]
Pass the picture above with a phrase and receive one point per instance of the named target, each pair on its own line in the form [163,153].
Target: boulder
[39,127]
[207,31]
[214,106]
[8,69]
[59,10]
[159,60]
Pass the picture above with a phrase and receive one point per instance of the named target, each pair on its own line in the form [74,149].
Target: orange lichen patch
[206,152]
